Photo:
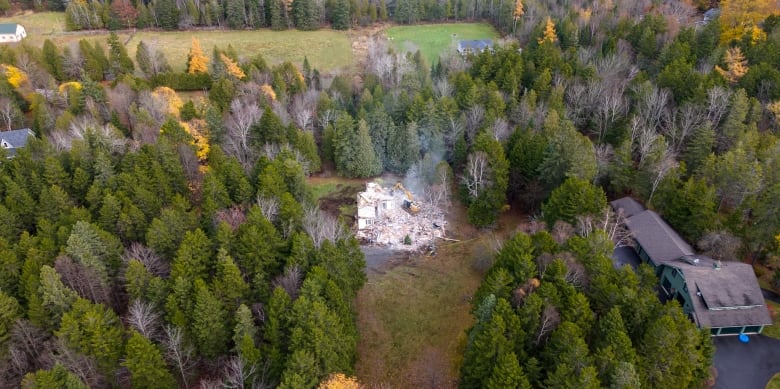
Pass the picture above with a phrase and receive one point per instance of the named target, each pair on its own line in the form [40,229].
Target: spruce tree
[53,60]
[340,15]
[209,322]
[167,14]
[146,364]
[120,62]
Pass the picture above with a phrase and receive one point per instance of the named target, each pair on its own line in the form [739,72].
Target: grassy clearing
[773,330]
[435,39]
[412,320]
[327,50]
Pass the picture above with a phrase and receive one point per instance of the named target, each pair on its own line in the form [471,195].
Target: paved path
[746,365]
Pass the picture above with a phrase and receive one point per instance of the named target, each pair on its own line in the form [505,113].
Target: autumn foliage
[549,32]
[736,65]
[740,17]
[340,381]
[198,62]
[231,67]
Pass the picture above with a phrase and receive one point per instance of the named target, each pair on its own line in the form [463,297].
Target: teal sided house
[721,296]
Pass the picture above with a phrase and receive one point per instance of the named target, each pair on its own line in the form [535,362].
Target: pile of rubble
[387,216]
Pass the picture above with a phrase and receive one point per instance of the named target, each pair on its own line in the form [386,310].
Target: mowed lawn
[435,39]
[327,50]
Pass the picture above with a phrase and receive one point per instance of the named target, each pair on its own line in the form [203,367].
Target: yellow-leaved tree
[197,62]
[740,17]
[736,65]
[519,11]
[168,98]
[231,67]
[340,381]
[549,32]
[268,92]
[16,77]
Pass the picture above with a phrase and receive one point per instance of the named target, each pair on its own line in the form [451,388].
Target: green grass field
[435,39]
[326,49]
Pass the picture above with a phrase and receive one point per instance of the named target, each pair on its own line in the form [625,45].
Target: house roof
[629,206]
[658,239]
[479,44]
[724,296]
[8,28]
[17,138]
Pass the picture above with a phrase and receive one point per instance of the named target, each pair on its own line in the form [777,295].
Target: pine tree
[245,335]
[193,258]
[574,198]
[56,377]
[305,14]
[53,60]
[146,364]
[167,14]
[120,62]
[340,15]
[236,14]
[197,62]
[209,322]
[93,330]
[507,373]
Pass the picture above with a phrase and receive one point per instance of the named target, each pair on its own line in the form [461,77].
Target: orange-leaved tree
[736,65]
[231,67]
[197,62]
[340,381]
[549,32]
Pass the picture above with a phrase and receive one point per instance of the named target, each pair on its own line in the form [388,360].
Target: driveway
[746,365]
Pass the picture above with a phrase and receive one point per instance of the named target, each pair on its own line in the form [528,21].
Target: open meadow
[327,50]
[435,39]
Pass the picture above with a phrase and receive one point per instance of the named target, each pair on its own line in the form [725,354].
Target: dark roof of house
[658,239]
[8,28]
[726,295]
[711,13]
[629,206]
[16,138]
[479,44]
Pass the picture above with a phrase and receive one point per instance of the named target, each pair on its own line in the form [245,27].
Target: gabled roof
[8,28]
[629,206]
[480,44]
[16,138]
[726,295]
[658,239]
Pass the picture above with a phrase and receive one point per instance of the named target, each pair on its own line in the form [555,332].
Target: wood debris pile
[383,221]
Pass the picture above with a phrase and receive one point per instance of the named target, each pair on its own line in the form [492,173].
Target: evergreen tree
[235,12]
[146,364]
[120,62]
[507,373]
[56,377]
[167,14]
[95,331]
[209,322]
[53,60]
[339,18]
[305,14]
[574,198]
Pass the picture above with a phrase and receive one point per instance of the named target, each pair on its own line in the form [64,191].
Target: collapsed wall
[386,216]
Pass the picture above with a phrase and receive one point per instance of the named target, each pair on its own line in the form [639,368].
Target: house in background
[475,46]
[721,296]
[371,204]
[11,32]
[14,140]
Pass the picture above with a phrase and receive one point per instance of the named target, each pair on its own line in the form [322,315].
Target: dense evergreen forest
[151,242]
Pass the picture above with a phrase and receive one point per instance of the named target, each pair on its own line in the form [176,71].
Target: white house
[11,32]
[15,139]
[474,46]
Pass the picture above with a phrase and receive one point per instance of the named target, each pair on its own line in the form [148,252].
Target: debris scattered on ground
[399,219]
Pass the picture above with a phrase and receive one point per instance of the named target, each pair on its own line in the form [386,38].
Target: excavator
[409,204]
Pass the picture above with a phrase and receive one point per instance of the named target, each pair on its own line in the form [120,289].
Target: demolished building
[385,219]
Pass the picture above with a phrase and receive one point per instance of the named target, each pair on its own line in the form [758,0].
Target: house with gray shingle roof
[474,46]
[11,32]
[14,140]
[723,297]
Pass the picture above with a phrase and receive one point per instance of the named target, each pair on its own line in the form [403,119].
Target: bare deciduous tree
[9,113]
[84,367]
[143,317]
[178,353]
[29,349]
[290,281]
[233,217]
[718,100]
[321,226]
[549,320]
[236,372]
[477,175]
[151,261]
[720,245]
[243,115]
[562,231]
[84,280]
[269,207]
[303,108]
